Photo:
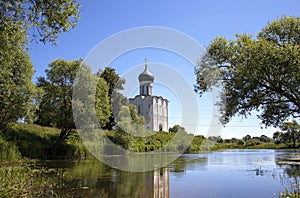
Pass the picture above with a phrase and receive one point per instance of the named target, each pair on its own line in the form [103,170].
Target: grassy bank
[22,180]
[33,141]
[261,145]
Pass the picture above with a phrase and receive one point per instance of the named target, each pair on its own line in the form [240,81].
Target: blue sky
[201,20]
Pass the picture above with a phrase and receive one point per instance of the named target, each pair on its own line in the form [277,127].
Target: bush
[253,142]
[8,151]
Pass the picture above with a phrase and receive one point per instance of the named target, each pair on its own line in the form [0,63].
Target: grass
[33,141]
[22,180]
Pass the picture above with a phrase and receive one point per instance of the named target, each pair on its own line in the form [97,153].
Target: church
[153,108]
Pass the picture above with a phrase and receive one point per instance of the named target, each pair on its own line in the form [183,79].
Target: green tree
[56,108]
[247,137]
[16,71]
[34,105]
[176,128]
[259,73]
[115,83]
[43,20]
[102,102]
[291,133]
[277,137]
[264,138]
[130,122]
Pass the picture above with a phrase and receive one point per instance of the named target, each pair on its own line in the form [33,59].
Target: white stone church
[153,108]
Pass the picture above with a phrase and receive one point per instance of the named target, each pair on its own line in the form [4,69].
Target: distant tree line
[290,136]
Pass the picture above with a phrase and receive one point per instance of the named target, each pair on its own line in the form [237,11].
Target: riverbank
[20,141]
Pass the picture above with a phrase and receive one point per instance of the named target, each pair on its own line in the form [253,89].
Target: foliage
[8,150]
[31,116]
[115,83]
[291,133]
[130,122]
[257,74]
[16,71]
[56,108]
[102,102]
[176,128]
[21,180]
[253,142]
[264,138]
[44,20]
[247,137]
[112,78]
[277,136]
[217,139]
[34,141]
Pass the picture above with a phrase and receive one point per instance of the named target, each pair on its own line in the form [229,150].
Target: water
[230,173]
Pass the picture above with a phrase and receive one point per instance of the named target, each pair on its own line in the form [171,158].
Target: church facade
[153,108]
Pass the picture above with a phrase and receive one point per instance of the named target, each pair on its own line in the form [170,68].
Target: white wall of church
[155,111]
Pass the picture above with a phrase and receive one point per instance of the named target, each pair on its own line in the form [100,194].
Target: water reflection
[95,179]
[220,174]
[290,162]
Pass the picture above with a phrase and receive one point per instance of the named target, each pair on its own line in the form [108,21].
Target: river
[229,173]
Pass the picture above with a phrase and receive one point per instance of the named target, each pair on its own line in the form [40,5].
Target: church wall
[155,111]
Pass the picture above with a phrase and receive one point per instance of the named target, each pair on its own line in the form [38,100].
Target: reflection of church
[161,183]
[153,108]
[153,184]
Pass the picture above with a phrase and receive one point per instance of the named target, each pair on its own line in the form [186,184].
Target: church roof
[146,75]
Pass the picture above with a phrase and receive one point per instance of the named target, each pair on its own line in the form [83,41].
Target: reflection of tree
[182,163]
[292,170]
[94,179]
[291,178]
[290,162]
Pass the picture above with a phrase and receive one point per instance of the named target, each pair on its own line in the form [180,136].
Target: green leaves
[291,133]
[102,102]
[16,71]
[56,108]
[43,20]
[257,74]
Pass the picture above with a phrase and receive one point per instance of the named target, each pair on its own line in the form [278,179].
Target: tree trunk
[62,137]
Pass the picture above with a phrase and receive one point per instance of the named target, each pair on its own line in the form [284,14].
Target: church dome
[146,75]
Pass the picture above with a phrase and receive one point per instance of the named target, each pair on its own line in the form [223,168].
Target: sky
[201,21]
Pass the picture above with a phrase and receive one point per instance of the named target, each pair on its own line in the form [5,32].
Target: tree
[115,83]
[277,137]
[291,133]
[56,108]
[43,20]
[130,125]
[130,122]
[264,138]
[259,74]
[176,128]
[16,71]
[217,139]
[247,137]
[102,102]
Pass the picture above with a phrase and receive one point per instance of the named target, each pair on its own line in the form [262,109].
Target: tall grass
[8,150]
[34,141]
[22,180]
